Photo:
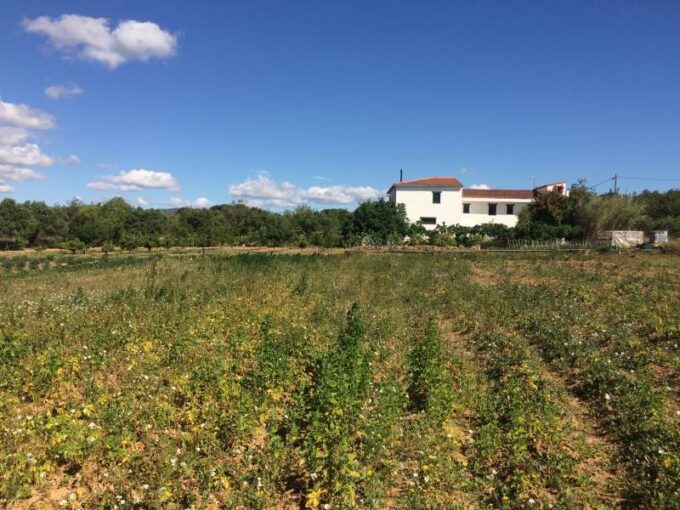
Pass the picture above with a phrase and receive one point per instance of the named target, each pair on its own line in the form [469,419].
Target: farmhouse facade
[444,200]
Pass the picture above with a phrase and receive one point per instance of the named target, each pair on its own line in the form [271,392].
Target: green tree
[381,221]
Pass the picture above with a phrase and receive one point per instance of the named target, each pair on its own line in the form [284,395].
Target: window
[492,209]
[428,220]
[436,197]
[466,208]
[510,209]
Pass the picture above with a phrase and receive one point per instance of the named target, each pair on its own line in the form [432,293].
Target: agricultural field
[358,380]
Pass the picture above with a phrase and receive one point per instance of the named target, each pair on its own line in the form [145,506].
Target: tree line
[115,223]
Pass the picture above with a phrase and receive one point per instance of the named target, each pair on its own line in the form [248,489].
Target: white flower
[531,501]
[145,487]
[607,397]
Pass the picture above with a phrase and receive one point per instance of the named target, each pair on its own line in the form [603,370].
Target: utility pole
[401,175]
[616,184]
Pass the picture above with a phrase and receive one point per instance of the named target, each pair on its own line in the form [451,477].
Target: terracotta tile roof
[498,193]
[430,181]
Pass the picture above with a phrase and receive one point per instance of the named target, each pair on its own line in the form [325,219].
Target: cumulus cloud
[13,135]
[18,156]
[63,91]
[23,116]
[199,203]
[141,201]
[95,39]
[480,186]
[263,191]
[202,203]
[26,155]
[18,174]
[136,180]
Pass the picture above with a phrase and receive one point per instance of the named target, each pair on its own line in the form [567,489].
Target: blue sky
[283,103]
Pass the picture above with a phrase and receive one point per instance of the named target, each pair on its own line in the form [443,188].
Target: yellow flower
[165,495]
[313,499]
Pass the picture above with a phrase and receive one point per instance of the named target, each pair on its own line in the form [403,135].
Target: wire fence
[557,244]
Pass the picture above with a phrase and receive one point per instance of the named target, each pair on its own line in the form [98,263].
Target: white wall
[418,202]
[479,212]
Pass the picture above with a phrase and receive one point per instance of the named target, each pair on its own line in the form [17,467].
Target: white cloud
[141,201]
[340,194]
[26,155]
[480,186]
[73,159]
[13,135]
[321,178]
[17,174]
[63,91]
[202,203]
[94,39]
[199,203]
[23,116]
[18,156]
[136,180]
[262,191]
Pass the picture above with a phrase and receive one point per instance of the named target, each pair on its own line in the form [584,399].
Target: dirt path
[588,445]
[597,460]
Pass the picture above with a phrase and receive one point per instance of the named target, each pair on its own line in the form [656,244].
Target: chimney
[401,175]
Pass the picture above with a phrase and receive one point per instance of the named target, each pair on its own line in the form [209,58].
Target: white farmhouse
[443,200]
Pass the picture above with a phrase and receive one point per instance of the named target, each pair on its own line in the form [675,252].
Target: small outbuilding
[622,238]
[658,236]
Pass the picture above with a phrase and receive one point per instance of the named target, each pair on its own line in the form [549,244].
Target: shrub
[428,386]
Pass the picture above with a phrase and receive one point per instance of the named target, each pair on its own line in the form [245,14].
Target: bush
[428,385]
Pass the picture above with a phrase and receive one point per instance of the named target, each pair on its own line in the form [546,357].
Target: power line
[616,178]
[600,183]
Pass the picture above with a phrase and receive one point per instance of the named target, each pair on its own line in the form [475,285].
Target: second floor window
[510,209]
[492,209]
[466,208]
[427,220]
[436,197]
